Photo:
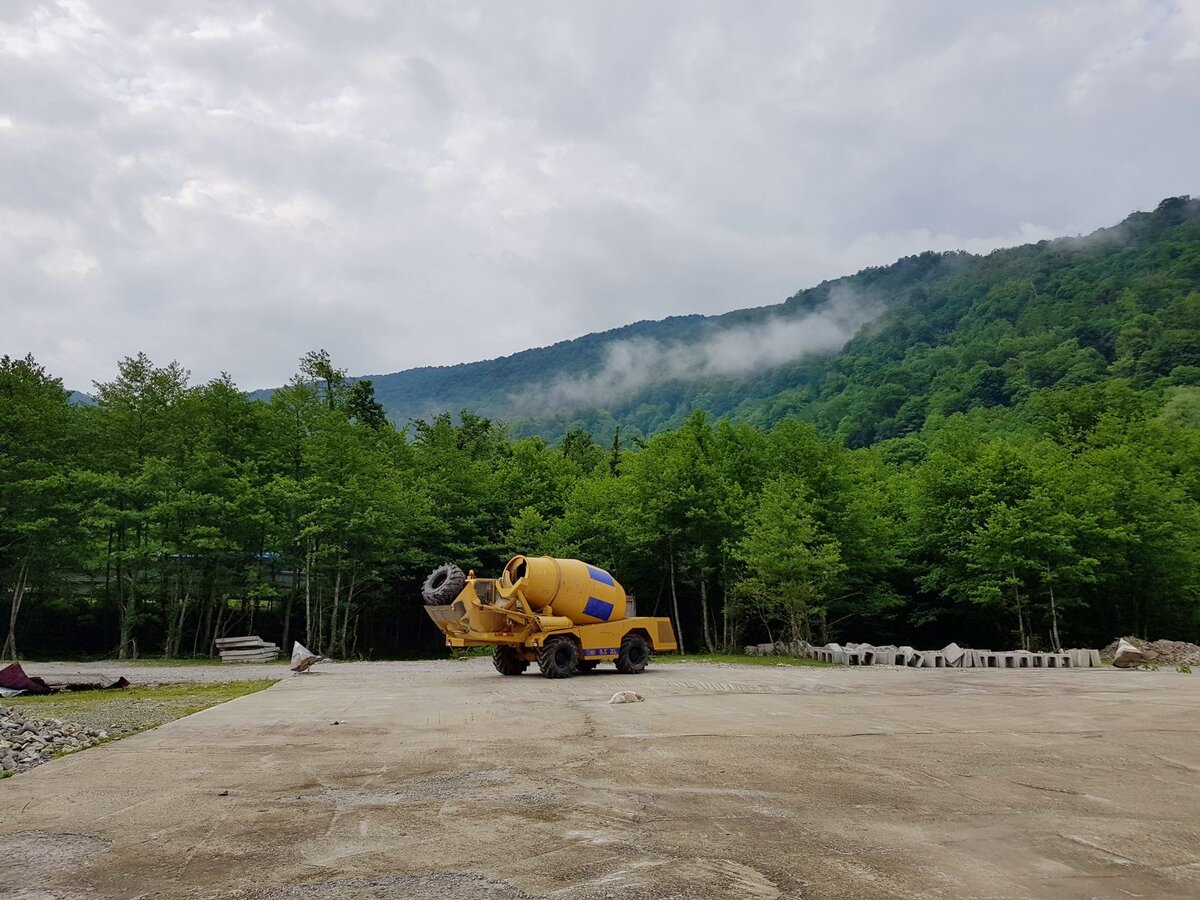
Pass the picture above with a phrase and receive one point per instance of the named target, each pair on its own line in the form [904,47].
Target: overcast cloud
[232,183]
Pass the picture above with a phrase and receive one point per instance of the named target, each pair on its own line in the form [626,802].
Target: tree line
[168,514]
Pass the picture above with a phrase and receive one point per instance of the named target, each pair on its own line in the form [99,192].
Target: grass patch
[133,709]
[741,660]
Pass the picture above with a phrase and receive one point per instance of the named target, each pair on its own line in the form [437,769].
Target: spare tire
[443,585]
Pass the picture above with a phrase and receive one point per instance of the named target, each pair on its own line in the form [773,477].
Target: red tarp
[14,678]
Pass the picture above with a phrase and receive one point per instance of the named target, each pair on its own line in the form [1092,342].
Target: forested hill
[947,332]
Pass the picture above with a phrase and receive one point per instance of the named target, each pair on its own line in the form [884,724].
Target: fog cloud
[727,352]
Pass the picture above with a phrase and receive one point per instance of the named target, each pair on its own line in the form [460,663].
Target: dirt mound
[1173,652]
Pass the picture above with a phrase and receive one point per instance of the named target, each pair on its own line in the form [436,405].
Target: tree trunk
[126,590]
[308,595]
[1020,613]
[333,618]
[675,602]
[287,608]
[1054,639]
[708,641]
[18,594]
[346,613]
[216,629]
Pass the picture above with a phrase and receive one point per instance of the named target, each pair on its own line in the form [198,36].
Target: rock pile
[1172,653]
[26,742]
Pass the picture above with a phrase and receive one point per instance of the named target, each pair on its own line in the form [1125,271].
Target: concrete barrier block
[952,653]
[1094,657]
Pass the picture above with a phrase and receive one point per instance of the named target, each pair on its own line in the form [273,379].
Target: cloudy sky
[231,183]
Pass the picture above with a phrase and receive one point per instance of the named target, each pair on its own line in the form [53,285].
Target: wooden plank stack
[251,648]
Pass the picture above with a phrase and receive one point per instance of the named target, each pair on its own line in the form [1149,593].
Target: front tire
[508,662]
[559,658]
[634,654]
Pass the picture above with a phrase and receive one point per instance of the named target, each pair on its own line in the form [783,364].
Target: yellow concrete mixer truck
[563,614]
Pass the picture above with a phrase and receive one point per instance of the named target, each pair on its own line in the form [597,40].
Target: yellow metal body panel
[583,593]
[488,613]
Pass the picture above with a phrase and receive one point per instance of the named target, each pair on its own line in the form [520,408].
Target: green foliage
[792,561]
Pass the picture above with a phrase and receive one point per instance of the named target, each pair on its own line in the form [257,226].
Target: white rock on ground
[627,697]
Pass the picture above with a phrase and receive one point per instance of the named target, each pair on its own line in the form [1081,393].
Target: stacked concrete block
[1083,659]
[950,656]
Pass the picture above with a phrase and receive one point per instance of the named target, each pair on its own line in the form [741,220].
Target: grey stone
[1128,655]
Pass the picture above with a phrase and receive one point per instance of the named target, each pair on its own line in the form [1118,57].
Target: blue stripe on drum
[598,609]
[600,575]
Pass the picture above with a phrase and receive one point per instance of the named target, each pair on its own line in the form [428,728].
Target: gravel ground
[140,673]
[27,741]
[36,729]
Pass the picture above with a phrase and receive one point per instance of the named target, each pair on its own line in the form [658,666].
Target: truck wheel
[558,658]
[508,662]
[443,585]
[634,654]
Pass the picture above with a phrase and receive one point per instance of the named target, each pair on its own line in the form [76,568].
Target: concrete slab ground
[447,780]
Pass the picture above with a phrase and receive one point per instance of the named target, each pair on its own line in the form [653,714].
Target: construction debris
[1171,653]
[303,659]
[1127,656]
[14,681]
[251,648]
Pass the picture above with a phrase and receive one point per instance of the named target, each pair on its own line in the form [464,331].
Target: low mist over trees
[168,514]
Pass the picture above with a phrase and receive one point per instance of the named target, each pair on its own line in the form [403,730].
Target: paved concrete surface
[447,780]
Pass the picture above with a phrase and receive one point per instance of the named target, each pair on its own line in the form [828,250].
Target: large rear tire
[508,662]
[443,585]
[559,658]
[634,655]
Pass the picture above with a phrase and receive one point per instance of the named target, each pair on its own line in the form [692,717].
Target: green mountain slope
[948,332]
